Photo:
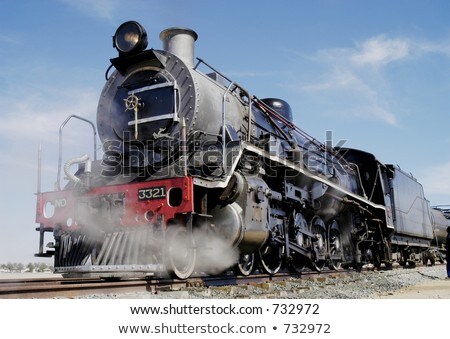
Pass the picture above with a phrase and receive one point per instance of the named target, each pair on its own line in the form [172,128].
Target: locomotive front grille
[135,250]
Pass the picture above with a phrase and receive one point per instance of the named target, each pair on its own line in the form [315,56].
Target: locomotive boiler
[195,168]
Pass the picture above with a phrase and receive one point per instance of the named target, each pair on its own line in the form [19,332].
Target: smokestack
[180,42]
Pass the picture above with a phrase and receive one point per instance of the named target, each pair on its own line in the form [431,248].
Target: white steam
[146,245]
[214,252]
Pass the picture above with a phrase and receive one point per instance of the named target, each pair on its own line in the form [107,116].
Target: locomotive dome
[280,106]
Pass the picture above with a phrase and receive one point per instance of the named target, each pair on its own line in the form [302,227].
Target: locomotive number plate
[152,193]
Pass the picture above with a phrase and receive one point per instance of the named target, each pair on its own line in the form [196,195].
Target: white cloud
[338,79]
[359,73]
[434,47]
[38,115]
[364,101]
[380,51]
[28,120]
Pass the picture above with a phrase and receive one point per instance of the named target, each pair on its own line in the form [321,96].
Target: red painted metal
[135,212]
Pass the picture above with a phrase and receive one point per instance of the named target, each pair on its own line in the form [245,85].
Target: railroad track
[56,287]
[44,288]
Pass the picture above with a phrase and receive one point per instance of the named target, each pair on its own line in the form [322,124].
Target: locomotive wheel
[270,258]
[317,265]
[376,258]
[180,253]
[245,265]
[424,259]
[335,243]
[296,264]
[317,227]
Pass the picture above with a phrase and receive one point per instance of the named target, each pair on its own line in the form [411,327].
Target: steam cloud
[214,253]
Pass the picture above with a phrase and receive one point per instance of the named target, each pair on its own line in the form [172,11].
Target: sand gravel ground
[433,289]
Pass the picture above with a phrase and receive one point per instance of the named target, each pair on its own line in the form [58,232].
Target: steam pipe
[69,163]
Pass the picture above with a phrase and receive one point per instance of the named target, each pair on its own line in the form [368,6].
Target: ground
[433,289]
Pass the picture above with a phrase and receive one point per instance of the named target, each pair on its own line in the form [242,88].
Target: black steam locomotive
[199,175]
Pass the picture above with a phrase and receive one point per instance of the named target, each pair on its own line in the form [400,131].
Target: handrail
[201,61]
[270,112]
[224,146]
[58,180]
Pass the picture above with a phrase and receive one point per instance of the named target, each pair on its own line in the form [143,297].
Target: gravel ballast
[365,285]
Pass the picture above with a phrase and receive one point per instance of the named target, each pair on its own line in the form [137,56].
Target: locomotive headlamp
[130,38]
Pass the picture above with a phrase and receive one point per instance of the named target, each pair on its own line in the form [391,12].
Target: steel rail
[57,287]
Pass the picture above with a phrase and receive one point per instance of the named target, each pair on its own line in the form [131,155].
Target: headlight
[130,38]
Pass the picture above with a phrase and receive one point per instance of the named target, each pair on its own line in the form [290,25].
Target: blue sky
[376,73]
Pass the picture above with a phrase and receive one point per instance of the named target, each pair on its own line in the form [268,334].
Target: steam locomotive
[200,175]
